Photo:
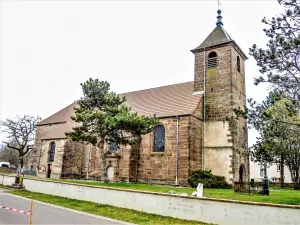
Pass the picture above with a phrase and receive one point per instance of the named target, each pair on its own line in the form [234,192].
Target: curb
[73,210]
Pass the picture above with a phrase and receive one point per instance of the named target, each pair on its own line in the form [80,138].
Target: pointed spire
[219,17]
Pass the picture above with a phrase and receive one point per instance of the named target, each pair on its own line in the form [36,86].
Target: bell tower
[220,76]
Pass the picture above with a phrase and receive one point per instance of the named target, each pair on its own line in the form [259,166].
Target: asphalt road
[45,213]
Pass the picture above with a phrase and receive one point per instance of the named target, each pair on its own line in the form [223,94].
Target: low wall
[6,179]
[222,212]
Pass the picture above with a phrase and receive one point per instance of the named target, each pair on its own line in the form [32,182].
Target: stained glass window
[159,138]
[52,151]
[113,147]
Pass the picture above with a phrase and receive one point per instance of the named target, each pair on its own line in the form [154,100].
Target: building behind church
[195,130]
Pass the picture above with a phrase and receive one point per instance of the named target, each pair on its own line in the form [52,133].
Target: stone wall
[238,128]
[218,149]
[195,144]
[34,156]
[56,165]
[225,90]
[160,167]
[73,155]
[216,211]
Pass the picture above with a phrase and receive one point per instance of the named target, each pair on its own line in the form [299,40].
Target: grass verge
[277,195]
[123,214]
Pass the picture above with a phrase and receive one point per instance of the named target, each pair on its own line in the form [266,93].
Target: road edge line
[74,210]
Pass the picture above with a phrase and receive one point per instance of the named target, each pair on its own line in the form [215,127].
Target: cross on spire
[219,4]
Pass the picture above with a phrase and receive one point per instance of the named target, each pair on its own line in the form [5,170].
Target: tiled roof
[61,116]
[166,101]
[216,37]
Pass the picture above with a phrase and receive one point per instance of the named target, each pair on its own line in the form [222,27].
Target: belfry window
[238,64]
[159,138]
[51,151]
[212,60]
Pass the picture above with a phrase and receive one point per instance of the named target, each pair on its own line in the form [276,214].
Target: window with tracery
[159,138]
[51,151]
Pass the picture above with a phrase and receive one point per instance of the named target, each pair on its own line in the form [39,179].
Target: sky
[47,48]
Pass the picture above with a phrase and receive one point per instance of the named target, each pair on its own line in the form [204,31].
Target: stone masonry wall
[34,155]
[159,167]
[225,90]
[239,127]
[72,159]
[195,144]
[56,165]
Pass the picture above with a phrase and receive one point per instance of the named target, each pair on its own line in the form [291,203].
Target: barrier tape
[15,210]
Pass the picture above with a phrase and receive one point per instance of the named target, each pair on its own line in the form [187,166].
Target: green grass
[277,195]
[127,215]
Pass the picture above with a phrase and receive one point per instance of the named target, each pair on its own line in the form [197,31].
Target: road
[45,213]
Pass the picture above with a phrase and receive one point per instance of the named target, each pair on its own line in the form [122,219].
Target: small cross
[219,4]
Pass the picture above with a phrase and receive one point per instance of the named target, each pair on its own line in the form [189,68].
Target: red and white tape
[15,210]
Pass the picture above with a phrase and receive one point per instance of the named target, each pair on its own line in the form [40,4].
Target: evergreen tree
[103,116]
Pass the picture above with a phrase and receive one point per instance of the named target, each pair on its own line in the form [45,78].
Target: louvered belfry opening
[212,60]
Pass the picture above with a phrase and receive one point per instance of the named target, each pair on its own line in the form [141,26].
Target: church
[195,130]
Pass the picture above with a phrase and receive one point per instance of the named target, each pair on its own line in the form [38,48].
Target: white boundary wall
[6,180]
[222,212]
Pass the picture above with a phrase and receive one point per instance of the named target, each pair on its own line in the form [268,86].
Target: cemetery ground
[277,195]
[123,214]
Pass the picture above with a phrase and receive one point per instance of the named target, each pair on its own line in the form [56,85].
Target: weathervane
[219,4]
[219,17]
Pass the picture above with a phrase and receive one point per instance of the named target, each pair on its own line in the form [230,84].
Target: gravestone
[200,190]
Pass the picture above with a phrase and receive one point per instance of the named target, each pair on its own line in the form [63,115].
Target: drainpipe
[204,112]
[89,162]
[177,141]
[40,155]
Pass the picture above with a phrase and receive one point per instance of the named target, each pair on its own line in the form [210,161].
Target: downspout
[89,161]
[177,147]
[204,114]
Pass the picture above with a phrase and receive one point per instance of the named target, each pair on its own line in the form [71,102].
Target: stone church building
[195,130]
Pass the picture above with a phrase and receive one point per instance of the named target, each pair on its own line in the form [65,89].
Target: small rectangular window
[262,172]
[278,167]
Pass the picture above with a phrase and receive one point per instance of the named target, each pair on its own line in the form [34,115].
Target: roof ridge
[156,87]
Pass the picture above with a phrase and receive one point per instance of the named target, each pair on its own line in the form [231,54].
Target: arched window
[51,151]
[212,60]
[112,147]
[238,63]
[159,138]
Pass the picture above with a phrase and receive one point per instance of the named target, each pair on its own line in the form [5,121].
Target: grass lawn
[277,196]
[106,210]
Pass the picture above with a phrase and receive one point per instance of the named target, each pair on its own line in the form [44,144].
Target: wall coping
[167,195]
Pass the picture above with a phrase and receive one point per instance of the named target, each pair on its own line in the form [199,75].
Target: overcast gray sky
[47,48]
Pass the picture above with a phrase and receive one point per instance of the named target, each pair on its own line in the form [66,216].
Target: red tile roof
[166,101]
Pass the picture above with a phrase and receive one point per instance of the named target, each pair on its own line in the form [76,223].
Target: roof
[166,101]
[216,37]
[61,116]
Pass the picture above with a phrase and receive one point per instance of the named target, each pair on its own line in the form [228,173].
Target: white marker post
[200,190]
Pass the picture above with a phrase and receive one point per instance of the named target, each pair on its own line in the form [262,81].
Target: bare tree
[9,155]
[21,130]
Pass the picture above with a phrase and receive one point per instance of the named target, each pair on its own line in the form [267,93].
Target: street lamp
[266,190]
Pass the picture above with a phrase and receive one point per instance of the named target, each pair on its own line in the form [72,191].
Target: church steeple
[218,37]
[219,17]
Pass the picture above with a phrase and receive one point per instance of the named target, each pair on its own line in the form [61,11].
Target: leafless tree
[20,130]
[9,155]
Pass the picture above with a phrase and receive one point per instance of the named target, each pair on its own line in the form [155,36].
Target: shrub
[207,179]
